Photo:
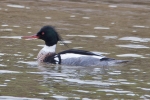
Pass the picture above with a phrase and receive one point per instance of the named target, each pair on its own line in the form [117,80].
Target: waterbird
[70,57]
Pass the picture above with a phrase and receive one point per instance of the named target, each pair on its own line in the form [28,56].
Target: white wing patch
[56,58]
[72,55]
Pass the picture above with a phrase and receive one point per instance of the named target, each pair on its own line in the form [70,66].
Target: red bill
[30,37]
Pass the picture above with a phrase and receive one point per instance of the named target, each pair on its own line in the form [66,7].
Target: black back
[76,51]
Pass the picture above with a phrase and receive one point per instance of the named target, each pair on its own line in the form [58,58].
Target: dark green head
[49,35]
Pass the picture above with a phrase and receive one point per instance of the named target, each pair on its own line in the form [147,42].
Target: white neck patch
[49,48]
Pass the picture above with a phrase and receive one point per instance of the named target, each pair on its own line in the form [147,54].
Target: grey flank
[90,61]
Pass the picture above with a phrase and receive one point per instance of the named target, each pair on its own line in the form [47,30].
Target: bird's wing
[79,52]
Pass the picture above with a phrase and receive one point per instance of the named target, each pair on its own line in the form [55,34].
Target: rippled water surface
[117,29]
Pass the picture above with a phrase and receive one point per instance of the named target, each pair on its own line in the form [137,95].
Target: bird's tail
[118,62]
[122,61]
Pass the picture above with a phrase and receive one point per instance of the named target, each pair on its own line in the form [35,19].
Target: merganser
[71,57]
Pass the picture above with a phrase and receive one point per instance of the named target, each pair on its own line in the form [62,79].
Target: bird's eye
[43,33]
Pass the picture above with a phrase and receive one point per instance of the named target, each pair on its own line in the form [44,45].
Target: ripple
[46,93]
[104,28]
[13,37]
[140,26]
[29,32]
[72,16]
[28,26]
[13,78]
[33,63]
[134,31]
[41,45]
[59,97]
[130,55]
[109,94]
[77,47]
[27,7]
[133,46]
[121,80]
[7,80]
[8,71]
[66,41]
[83,91]
[6,30]
[17,98]
[110,37]
[113,23]
[100,53]
[135,39]
[17,55]
[2,86]
[16,26]
[127,83]
[52,75]
[114,91]
[2,65]
[135,69]
[145,97]
[111,73]
[1,54]
[86,17]
[4,25]
[112,6]
[48,18]
[86,99]
[131,94]
[146,89]
[83,35]
[15,6]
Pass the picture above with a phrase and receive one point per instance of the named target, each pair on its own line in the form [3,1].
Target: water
[117,29]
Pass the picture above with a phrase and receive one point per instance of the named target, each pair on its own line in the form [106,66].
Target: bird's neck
[46,51]
[49,49]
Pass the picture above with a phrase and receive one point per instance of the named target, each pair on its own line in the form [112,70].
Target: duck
[70,57]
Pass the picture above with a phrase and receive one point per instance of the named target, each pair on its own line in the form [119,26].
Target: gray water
[117,29]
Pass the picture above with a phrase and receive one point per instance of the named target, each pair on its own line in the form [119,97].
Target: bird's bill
[30,37]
